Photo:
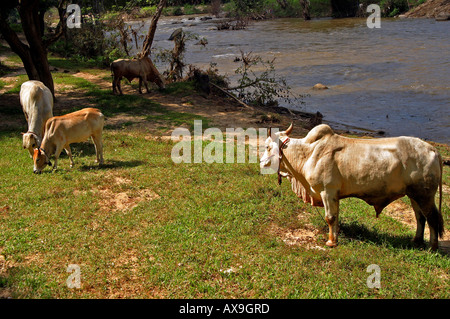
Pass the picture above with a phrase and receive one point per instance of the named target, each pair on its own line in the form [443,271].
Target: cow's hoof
[418,242]
[331,243]
[434,247]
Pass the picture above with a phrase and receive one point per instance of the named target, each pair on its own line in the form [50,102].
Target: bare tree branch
[146,48]
[61,27]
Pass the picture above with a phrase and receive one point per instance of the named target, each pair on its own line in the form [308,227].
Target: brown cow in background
[142,68]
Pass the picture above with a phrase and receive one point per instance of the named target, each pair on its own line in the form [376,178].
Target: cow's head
[271,155]
[40,160]
[30,140]
[158,79]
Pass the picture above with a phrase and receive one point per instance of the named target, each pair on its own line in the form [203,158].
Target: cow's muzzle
[36,171]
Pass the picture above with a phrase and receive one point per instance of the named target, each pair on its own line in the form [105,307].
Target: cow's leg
[420,218]
[69,152]
[114,85]
[119,86]
[146,84]
[57,153]
[331,204]
[435,223]
[97,139]
[140,85]
[434,219]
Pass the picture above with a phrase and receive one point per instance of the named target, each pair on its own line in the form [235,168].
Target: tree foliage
[258,83]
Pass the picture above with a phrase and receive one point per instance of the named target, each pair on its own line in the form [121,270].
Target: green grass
[73,64]
[207,218]
[142,226]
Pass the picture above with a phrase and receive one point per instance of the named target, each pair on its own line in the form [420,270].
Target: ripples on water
[394,79]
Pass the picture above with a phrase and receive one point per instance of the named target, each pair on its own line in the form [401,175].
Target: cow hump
[318,132]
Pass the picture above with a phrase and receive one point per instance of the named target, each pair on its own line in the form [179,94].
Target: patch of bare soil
[111,200]
[305,236]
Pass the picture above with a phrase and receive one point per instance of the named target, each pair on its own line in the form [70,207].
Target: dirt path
[222,112]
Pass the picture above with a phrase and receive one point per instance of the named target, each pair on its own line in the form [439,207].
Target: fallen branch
[230,95]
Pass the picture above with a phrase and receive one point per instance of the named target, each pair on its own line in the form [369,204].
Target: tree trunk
[22,50]
[32,29]
[146,47]
[34,53]
[283,4]
[305,7]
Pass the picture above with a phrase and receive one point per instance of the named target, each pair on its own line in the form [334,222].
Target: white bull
[325,167]
[37,105]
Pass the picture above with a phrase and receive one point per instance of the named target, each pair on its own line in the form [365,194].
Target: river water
[394,79]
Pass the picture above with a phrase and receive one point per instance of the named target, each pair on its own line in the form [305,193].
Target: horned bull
[324,167]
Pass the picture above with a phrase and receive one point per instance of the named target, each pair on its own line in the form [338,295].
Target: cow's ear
[289,130]
[22,133]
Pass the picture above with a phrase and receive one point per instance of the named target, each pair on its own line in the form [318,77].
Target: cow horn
[289,130]
[269,133]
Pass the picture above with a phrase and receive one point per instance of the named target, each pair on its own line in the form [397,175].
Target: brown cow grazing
[37,105]
[142,68]
[324,167]
[61,131]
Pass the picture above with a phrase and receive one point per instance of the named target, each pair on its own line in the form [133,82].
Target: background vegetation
[277,8]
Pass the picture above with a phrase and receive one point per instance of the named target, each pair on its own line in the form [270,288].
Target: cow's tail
[441,219]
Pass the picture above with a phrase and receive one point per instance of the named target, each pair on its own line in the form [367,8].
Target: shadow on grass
[355,230]
[111,105]
[81,149]
[111,164]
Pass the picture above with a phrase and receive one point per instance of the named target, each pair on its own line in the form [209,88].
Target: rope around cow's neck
[281,158]
[279,173]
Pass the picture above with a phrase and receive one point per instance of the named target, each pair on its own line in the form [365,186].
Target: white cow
[325,167]
[37,104]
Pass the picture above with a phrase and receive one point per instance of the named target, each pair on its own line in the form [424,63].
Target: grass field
[142,226]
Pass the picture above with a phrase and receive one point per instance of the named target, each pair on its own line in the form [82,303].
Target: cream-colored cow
[61,131]
[37,105]
[325,167]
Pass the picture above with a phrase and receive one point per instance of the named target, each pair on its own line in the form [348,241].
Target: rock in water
[320,86]
[443,17]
